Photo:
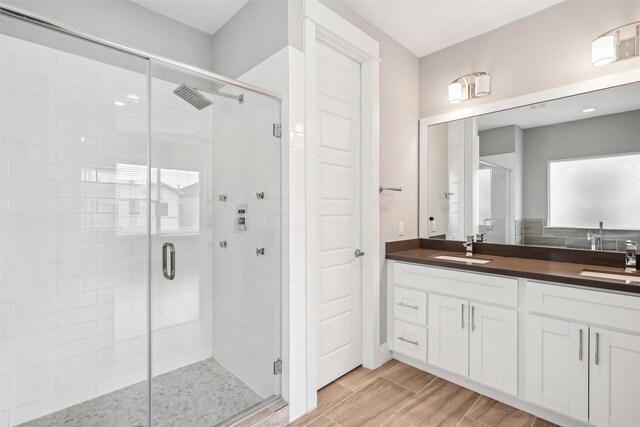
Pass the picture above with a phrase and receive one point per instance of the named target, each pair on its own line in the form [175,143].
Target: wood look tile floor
[400,395]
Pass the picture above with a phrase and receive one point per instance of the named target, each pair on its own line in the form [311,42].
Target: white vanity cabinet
[557,365]
[449,333]
[493,347]
[583,354]
[614,378]
[579,348]
[470,322]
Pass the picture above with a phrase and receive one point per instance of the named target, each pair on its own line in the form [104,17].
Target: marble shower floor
[198,395]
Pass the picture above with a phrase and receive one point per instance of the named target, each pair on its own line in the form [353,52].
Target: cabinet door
[557,365]
[493,347]
[614,379]
[449,333]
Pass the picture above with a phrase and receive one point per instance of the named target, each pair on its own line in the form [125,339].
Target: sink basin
[468,260]
[614,276]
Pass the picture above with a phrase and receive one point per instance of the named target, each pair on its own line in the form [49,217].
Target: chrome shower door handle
[168,247]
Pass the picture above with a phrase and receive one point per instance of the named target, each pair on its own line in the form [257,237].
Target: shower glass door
[73,243]
[140,233]
[215,249]
[493,204]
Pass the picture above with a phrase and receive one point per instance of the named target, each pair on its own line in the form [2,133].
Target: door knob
[358,253]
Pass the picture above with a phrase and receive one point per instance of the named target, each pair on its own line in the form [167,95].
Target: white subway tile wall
[73,231]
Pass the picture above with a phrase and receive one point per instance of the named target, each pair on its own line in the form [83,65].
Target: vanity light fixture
[474,85]
[616,45]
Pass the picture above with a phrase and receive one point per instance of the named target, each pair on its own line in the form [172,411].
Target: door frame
[323,25]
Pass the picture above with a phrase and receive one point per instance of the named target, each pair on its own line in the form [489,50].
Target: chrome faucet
[630,257]
[469,245]
[596,239]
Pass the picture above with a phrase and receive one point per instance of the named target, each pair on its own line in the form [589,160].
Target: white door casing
[455,148]
[339,275]
[323,25]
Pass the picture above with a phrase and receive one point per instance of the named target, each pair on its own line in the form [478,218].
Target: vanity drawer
[410,305]
[480,287]
[607,309]
[410,340]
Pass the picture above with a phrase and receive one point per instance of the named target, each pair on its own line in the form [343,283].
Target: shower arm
[239,98]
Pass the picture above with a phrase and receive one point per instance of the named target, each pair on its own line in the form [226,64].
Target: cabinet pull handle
[473,318]
[597,348]
[580,348]
[408,341]
[462,316]
[414,307]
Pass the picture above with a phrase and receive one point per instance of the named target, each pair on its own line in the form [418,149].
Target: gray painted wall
[127,23]
[252,35]
[498,141]
[599,136]
[549,49]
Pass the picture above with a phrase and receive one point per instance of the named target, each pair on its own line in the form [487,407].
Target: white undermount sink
[614,276]
[462,259]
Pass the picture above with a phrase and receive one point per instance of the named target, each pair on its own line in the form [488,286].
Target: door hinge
[277,367]
[277,130]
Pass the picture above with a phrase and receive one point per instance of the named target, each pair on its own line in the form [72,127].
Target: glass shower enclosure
[493,207]
[140,212]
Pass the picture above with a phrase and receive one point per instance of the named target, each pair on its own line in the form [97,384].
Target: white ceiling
[426,26]
[204,15]
[608,101]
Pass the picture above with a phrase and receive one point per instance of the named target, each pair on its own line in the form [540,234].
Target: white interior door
[338,215]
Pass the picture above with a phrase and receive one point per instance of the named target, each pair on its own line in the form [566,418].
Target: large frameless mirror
[559,173]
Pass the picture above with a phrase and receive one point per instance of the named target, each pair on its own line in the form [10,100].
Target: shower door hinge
[277,367]
[277,130]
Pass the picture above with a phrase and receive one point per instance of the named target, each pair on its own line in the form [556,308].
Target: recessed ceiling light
[120,104]
[589,110]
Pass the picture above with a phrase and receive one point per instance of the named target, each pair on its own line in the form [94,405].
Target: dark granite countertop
[537,269]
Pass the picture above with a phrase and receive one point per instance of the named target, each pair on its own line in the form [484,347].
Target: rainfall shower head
[192,96]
